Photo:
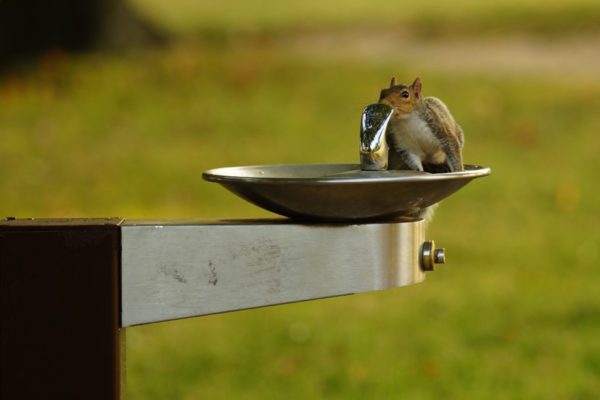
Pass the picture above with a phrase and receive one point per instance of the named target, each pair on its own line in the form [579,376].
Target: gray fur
[445,128]
[440,123]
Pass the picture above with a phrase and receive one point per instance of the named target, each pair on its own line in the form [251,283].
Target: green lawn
[423,17]
[515,314]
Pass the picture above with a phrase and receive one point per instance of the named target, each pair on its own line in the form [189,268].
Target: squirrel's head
[402,98]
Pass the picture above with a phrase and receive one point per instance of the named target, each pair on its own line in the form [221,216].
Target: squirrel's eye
[405,94]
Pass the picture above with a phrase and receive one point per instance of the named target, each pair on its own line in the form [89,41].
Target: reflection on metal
[373,145]
[341,192]
[176,270]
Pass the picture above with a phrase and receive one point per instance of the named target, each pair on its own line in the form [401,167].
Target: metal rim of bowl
[225,175]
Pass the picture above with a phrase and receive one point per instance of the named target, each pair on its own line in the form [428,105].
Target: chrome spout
[373,145]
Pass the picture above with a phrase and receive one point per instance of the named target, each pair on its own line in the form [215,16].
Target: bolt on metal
[431,256]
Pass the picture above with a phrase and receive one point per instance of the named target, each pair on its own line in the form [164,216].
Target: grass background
[515,313]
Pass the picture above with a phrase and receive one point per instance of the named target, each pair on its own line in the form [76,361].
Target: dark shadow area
[31,27]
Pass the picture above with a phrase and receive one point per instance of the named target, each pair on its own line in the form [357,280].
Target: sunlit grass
[423,17]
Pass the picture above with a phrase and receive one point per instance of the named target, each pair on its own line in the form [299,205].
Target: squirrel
[422,134]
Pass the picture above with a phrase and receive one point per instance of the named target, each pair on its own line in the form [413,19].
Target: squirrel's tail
[427,214]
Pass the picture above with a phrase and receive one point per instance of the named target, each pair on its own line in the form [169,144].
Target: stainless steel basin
[340,192]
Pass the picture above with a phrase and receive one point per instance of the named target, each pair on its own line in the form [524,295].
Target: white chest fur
[412,135]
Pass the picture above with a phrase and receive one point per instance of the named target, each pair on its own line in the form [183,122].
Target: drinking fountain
[70,286]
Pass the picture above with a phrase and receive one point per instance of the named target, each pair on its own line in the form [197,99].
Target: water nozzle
[373,145]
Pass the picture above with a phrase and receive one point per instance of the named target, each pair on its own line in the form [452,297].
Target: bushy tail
[427,214]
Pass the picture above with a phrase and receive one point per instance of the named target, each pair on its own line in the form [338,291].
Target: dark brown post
[59,287]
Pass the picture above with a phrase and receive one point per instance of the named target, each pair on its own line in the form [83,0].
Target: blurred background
[115,108]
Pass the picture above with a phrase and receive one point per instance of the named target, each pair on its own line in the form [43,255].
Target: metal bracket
[182,269]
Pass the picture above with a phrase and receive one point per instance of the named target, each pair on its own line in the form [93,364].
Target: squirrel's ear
[416,87]
[393,82]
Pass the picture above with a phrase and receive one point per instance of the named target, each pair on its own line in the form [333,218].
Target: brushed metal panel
[184,269]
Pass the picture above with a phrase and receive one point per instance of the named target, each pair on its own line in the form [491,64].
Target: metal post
[59,290]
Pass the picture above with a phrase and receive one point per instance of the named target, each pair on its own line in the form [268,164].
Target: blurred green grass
[421,17]
[516,312]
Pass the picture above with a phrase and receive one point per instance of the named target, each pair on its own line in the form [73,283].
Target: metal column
[59,291]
